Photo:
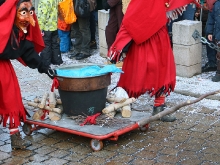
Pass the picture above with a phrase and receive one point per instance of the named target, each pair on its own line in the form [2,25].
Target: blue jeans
[64,40]
[189,13]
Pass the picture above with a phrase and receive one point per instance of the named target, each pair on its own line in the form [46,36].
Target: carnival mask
[24,16]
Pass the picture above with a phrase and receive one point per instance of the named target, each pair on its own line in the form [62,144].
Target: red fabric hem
[166,89]
[12,110]
[13,117]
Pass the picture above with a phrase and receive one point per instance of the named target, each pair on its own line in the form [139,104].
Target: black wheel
[144,128]
[27,129]
[96,145]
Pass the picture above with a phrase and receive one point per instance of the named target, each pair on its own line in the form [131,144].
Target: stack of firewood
[50,104]
[119,102]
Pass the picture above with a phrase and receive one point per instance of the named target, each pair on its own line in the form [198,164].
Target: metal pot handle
[51,72]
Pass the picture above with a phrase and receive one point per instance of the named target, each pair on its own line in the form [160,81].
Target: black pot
[84,95]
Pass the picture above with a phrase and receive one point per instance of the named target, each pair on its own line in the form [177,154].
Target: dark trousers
[211,55]
[218,62]
[51,53]
[92,25]
[114,23]
[82,35]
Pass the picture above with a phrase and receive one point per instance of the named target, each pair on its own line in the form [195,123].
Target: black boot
[166,118]
[18,143]
[216,78]
[93,45]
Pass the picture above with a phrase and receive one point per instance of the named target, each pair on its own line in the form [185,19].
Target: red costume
[149,63]
[20,39]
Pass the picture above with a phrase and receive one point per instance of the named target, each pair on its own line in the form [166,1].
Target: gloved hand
[51,72]
[45,68]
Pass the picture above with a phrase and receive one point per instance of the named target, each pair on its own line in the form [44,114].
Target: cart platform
[96,132]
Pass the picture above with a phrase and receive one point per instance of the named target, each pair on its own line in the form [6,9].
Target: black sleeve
[24,49]
[1,2]
[31,57]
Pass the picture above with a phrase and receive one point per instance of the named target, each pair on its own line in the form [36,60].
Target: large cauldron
[83,95]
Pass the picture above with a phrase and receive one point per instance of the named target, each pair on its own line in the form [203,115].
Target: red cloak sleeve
[144,18]
[7,15]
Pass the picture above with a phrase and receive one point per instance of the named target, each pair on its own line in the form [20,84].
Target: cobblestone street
[193,139]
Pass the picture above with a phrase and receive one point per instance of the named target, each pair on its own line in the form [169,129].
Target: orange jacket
[61,25]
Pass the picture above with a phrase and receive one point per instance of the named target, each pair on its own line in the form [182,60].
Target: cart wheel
[96,145]
[144,128]
[27,129]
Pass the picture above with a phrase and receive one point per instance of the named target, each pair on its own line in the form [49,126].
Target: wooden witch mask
[24,15]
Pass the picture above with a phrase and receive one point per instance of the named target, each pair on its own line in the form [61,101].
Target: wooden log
[147,120]
[37,115]
[115,99]
[59,101]
[36,105]
[111,114]
[43,101]
[52,100]
[33,104]
[54,116]
[115,106]
[57,110]
[37,100]
[126,111]
[60,106]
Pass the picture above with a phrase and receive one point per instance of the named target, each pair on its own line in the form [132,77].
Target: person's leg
[159,106]
[93,44]
[86,36]
[78,39]
[189,14]
[92,26]
[119,14]
[65,41]
[56,55]
[170,28]
[16,141]
[211,55]
[95,13]
[112,28]
[211,65]
[12,110]
[61,37]
[216,78]
[46,53]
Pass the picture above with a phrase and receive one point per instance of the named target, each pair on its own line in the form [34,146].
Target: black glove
[45,68]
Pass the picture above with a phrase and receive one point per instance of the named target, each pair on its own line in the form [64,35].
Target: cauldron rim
[78,66]
[81,77]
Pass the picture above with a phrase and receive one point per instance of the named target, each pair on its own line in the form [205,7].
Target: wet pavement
[193,139]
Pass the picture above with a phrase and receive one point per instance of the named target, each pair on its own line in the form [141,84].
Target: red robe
[11,106]
[149,64]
